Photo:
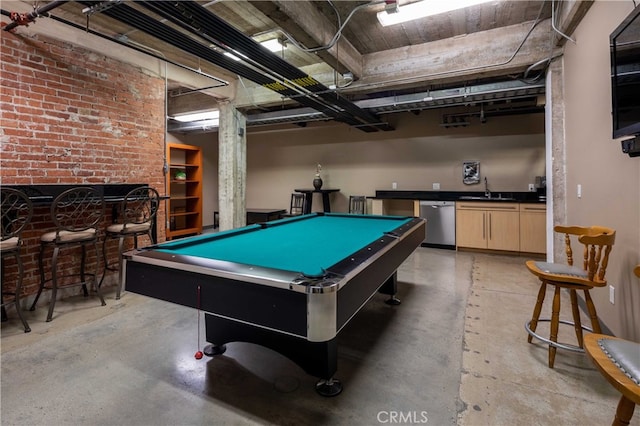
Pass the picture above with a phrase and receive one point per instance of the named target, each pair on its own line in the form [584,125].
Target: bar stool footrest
[560,345]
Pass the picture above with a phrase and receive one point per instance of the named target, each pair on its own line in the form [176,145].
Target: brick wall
[69,115]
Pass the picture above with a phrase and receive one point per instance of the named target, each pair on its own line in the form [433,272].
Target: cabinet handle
[489,225]
[484,226]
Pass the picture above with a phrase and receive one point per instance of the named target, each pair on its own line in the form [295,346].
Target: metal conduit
[141,50]
[142,22]
[199,20]
[266,58]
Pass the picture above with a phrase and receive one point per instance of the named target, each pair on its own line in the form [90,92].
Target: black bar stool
[17,211]
[357,204]
[136,216]
[76,214]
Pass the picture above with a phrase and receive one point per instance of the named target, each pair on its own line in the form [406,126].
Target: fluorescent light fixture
[424,8]
[197,116]
[273,45]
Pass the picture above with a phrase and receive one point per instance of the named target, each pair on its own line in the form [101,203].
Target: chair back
[77,209]
[17,211]
[297,204]
[357,204]
[139,206]
[597,242]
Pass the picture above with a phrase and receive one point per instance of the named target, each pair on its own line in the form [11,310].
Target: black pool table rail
[332,279]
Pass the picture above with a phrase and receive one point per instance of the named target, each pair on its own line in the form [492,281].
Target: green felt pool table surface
[308,244]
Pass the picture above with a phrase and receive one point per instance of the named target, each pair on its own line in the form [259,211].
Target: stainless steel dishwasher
[441,223]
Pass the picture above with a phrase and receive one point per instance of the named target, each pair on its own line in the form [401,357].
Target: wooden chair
[17,211]
[357,204]
[296,208]
[135,218]
[597,242]
[618,361]
[76,214]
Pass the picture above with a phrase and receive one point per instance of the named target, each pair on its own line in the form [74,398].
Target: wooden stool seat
[597,242]
[595,347]
[618,361]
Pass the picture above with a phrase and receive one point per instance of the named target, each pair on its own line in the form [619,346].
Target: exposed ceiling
[339,62]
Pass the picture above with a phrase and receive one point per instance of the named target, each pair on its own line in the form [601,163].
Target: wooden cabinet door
[503,230]
[471,228]
[533,228]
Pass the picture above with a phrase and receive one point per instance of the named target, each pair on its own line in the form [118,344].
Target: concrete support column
[232,167]
[556,157]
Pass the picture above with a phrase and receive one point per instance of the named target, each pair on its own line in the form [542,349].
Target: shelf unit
[185,195]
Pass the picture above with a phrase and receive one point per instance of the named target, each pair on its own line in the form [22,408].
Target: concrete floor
[454,352]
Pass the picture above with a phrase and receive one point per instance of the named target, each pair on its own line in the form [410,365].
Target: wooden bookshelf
[184,180]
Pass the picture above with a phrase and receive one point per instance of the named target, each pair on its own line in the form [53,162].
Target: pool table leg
[213,350]
[319,359]
[329,387]
[390,287]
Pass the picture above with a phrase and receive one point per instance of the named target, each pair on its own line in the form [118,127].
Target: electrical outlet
[532,188]
[579,189]
[394,185]
[436,186]
[612,294]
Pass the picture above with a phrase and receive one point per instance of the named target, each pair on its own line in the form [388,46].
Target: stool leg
[536,311]
[576,317]
[54,282]
[104,259]
[3,315]
[595,324]
[82,271]
[41,268]
[120,250]
[555,322]
[624,412]
[95,272]
[18,291]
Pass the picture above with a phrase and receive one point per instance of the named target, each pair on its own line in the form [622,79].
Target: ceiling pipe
[142,22]
[27,18]
[142,49]
[200,21]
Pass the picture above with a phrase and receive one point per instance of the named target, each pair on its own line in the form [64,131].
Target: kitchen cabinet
[184,180]
[488,225]
[533,228]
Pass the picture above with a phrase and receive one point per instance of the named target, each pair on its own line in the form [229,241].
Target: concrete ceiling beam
[456,59]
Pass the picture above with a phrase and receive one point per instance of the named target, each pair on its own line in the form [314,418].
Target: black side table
[308,199]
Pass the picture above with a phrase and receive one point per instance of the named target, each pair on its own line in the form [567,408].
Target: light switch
[579,191]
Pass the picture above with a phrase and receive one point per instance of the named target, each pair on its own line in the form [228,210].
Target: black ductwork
[199,21]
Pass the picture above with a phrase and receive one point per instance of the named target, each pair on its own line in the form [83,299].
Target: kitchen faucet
[487,193]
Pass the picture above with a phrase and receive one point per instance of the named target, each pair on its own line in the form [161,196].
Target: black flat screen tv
[625,76]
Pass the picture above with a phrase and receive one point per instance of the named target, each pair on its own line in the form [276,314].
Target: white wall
[417,154]
[610,179]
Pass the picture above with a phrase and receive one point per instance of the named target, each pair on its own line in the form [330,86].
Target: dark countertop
[44,194]
[498,196]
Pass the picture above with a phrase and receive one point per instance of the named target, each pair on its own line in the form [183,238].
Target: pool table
[290,285]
